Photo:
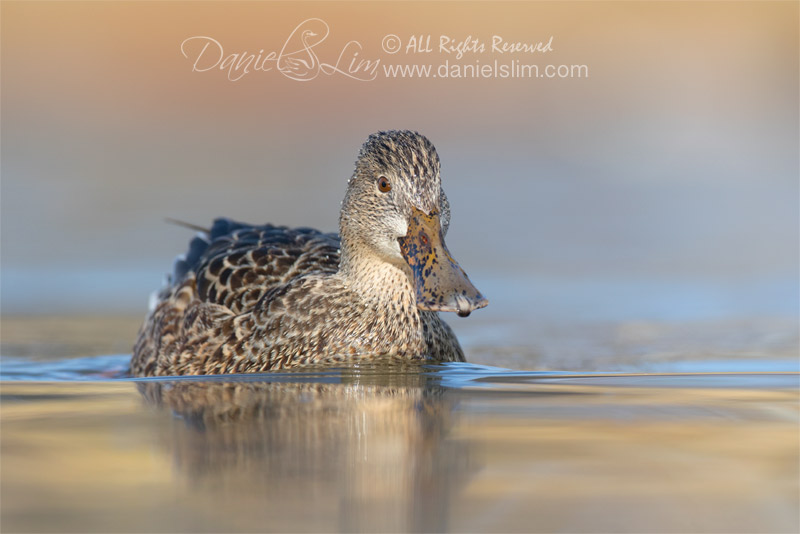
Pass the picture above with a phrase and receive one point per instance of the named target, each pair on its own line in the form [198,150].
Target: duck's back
[235,264]
[226,271]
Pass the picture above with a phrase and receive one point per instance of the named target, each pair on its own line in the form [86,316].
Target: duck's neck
[377,280]
[387,306]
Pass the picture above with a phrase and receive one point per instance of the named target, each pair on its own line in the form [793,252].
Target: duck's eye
[384,185]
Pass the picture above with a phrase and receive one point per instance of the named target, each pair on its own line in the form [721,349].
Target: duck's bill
[440,282]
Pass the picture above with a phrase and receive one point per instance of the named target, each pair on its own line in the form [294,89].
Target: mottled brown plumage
[256,298]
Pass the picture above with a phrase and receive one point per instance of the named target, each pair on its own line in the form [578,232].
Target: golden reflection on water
[396,452]
[375,455]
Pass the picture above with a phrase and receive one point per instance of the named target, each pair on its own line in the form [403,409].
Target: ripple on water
[751,373]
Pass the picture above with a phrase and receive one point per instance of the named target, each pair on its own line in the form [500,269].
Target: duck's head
[395,211]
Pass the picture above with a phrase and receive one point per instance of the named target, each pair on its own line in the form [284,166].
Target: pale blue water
[712,373]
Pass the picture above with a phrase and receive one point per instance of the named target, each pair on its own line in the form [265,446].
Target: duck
[261,298]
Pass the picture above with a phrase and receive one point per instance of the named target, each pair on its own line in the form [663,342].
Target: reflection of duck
[253,298]
[371,453]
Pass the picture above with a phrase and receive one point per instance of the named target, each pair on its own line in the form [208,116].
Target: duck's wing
[235,264]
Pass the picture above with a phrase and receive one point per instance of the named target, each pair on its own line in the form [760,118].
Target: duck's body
[257,298]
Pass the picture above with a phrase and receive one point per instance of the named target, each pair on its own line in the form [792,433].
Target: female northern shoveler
[255,298]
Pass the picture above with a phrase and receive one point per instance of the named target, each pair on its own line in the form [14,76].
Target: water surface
[457,447]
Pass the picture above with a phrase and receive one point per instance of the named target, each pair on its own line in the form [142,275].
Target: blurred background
[648,208]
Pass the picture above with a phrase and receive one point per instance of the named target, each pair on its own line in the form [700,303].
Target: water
[703,446]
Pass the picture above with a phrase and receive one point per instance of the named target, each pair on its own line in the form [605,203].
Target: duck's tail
[190,226]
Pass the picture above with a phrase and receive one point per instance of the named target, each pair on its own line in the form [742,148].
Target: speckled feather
[256,298]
